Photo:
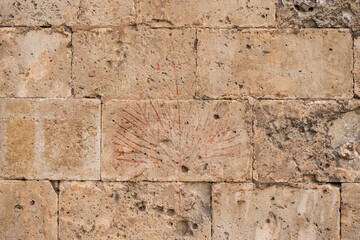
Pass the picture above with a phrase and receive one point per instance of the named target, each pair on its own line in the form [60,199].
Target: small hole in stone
[194,226]
[185,169]
[32,202]
[170,212]
[248,46]
[216,116]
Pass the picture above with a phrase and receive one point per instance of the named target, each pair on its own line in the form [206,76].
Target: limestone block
[350,211]
[28,210]
[275,63]
[108,210]
[176,140]
[134,64]
[35,63]
[50,139]
[307,141]
[244,211]
[37,12]
[321,13]
[207,13]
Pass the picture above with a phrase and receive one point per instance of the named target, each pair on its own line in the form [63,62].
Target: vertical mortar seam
[340,191]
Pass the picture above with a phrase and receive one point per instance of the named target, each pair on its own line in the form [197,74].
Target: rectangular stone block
[134,64]
[350,211]
[108,210]
[37,12]
[246,211]
[286,63]
[35,63]
[50,139]
[307,141]
[357,65]
[176,140]
[207,13]
[28,210]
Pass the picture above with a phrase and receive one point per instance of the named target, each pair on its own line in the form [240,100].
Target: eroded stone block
[307,141]
[50,139]
[94,210]
[207,13]
[275,63]
[322,13]
[28,210]
[350,211]
[176,140]
[244,211]
[35,63]
[357,65]
[37,12]
[134,64]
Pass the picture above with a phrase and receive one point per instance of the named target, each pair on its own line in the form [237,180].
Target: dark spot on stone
[194,226]
[117,196]
[170,212]
[216,116]
[182,228]
[18,208]
[32,202]
[184,169]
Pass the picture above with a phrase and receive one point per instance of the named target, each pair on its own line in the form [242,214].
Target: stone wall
[169,119]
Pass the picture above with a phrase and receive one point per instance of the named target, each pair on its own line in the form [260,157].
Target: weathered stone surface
[176,140]
[134,64]
[50,139]
[35,63]
[37,12]
[307,141]
[350,211]
[357,65]
[28,210]
[275,63]
[243,211]
[106,210]
[256,13]
[321,13]
[105,13]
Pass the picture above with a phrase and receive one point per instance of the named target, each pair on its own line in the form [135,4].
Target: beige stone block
[350,211]
[37,12]
[50,139]
[307,141]
[35,63]
[105,13]
[357,65]
[134,64]
[207,13]
[245,211]
[28,210]
[176,140]
[286,63]
[108,210]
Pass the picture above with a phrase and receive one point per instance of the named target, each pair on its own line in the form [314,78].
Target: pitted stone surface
[28,210]
[207,13]
[243,211]
[275,63]
[307,141]
[50,139]
[357,65]
[176,140]
[37,12]
[35,63]
[107,210]
[350,211]
[320,13]
[134,64]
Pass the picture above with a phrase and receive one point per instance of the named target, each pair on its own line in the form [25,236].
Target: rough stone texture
[28,210]
[320,13]
[105,13]
[357,65]
[134,64]
[90,210]
[176,140]
[50,139]
[243,211]
[275,63]
[350,211]
[307,141]
[35,63]
[37,12]
[207,13]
